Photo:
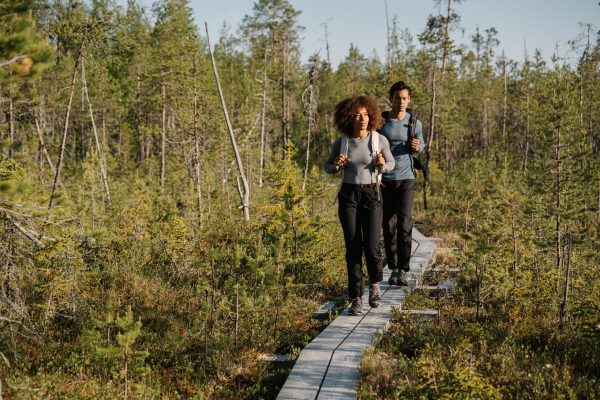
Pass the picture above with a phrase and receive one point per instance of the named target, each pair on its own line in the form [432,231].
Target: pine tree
[273,34]
[23,55]
[174,44]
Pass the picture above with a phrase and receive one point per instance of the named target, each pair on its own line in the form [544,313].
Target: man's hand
[414,145]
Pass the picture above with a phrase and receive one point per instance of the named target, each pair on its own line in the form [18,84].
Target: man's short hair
[396,87]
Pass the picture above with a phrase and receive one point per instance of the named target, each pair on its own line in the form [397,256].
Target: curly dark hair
[398,86]
[346,109]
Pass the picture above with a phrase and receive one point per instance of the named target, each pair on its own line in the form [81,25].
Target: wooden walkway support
[328,367]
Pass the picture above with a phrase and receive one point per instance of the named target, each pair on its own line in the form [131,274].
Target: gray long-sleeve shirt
[397,134]
[360,169]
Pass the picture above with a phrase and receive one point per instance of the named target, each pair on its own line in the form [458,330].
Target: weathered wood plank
[306,377]
[418,236]
[328,367]
[342,376]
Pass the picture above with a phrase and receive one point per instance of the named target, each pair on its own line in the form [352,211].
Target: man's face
[401,99]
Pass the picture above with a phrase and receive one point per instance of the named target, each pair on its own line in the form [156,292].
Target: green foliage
[11,173]
[514,347]
[109,348]
[21,48]
[136,296]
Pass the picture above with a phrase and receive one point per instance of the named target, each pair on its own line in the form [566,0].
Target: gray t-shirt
[360,169]
[397,134]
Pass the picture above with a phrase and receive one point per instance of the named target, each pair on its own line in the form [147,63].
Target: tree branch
[13,60]
[29,235]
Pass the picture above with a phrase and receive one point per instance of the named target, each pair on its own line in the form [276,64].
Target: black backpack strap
[412,129]
[412,126]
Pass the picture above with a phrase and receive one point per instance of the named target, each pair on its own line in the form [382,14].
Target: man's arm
[418,143]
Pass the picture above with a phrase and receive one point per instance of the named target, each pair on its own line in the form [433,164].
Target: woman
[362,156]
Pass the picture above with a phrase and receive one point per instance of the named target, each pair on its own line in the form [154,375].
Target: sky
[521,24]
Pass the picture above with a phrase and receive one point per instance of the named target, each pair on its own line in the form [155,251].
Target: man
[399,185]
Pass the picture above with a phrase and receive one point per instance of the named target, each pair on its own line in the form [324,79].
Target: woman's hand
[340,161]
[379,161]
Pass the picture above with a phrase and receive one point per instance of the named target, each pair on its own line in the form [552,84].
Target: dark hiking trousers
[398,199]
[360,214]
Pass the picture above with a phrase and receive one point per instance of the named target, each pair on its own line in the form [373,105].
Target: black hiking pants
[360,214]
[398,197]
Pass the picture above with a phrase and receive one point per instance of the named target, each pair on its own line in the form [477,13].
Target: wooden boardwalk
[328,367]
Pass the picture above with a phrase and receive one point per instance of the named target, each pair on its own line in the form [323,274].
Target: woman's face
[361,120]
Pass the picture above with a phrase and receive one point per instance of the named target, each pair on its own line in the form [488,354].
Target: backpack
[412,128]
[374,152]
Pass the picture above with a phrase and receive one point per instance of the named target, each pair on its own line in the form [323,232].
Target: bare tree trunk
[63,142]
[563,304]
[527,124]
[447,155]
[226,187]
[38,129]
[515,249]
[237,313]
[310,107]
[485,131]
[430,135]
[245,192]
[104,138]
[197,169]
[138,102]
[387,29]
[504,100]
[445,51]
[11,123]
[163,137]
[249,170]
[262,122]
[244,145]
[446,34]
[598,205]
[82,138]
[284,104]
[306,163]
[103,170]
[432,107]
[558,201]
[327,43]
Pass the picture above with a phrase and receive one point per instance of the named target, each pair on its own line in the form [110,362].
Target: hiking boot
[393,280]
[402,279]
[356,307]
[374,295]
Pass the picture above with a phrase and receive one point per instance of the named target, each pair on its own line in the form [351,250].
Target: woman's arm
[329,166]
[389,163]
